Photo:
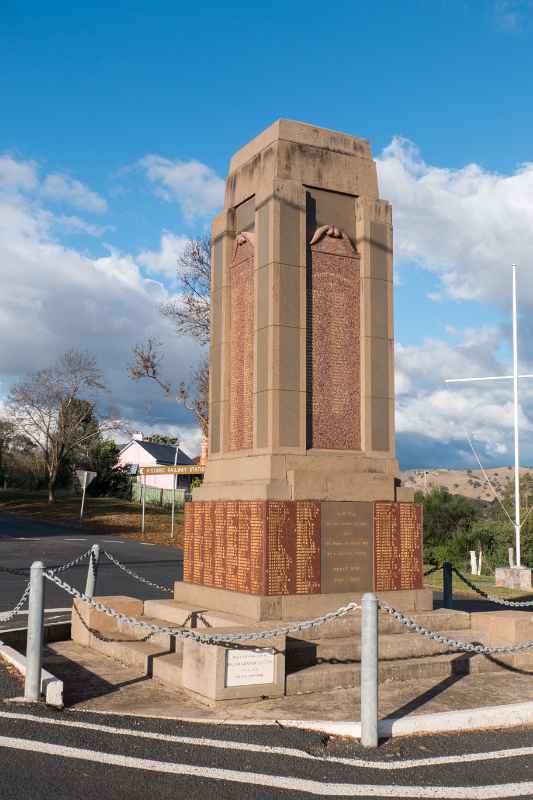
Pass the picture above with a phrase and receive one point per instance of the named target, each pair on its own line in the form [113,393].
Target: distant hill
[468,482]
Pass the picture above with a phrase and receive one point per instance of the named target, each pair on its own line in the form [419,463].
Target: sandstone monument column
[300,503]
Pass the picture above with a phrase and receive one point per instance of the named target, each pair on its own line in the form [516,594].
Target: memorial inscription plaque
[398,546]
[347,547]
[241,344]
[335,326]
[248,667]
[254,546]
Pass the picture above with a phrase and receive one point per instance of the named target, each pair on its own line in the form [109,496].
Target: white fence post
[369,671]
[90,585]
[34,646]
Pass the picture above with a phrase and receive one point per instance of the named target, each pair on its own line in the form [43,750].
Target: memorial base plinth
[303,547]
[304,606]
[514,577]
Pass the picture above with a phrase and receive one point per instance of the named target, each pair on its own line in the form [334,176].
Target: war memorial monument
[301,508]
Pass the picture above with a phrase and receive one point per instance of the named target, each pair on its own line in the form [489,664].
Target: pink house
[142,453]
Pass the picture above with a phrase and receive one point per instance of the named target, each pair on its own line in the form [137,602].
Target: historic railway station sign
[178,469]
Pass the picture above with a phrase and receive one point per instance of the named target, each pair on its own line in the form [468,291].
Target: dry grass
[106,515]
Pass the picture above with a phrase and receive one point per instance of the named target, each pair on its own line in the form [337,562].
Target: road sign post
[85,477]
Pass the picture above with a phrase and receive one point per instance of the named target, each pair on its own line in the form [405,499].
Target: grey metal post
[447,585]
[90,585]
[369,671]
[34,646]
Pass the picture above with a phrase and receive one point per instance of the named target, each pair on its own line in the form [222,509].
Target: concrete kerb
[470,719]
[51,687]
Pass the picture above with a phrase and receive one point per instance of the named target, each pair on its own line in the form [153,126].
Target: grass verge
[103,515]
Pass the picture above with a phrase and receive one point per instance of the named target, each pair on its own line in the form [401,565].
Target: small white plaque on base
[248,667]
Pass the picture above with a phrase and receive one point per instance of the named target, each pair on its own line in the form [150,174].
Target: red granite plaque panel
[219,545]
[258,528]
[188,540]
[232,545]
[281,547]
[255,547]
[198,554]
[335,341]
[209,544]
[241,344]
[398,546]
[307,555]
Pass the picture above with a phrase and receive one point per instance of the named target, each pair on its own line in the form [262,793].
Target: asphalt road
[23,541]
[94,756]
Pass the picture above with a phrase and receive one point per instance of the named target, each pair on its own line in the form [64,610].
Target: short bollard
[447,585]
[34,646]
[92,571]
[369,671]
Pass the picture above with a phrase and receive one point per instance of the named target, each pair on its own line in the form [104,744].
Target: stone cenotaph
[301,509]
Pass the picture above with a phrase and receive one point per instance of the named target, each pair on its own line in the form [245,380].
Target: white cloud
[68,190]
[56,298]
[17,175]
[164,260]
[426,406]
[195,186]
[467,225]
[77,225]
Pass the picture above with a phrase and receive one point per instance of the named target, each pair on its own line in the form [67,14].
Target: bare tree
[190,313]
[190,316]
[55,408]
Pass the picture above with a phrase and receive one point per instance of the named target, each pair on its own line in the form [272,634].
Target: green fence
[158,497]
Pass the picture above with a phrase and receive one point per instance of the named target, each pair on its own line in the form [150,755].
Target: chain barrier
[432,570]
[492,598]
[207,638]
[454,644]
[5,616]
[133,574]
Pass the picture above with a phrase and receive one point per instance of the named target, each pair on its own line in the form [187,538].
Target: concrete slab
[97,683]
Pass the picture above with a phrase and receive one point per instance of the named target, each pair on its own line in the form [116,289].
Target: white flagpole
[516,445]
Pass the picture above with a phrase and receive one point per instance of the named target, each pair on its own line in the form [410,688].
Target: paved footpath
[24,540]
[46,754]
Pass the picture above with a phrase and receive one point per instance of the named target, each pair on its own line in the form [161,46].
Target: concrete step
[120,647]
[177,613]
[391,647]
[164,640]
[350,625]
[324,677]
[168,669]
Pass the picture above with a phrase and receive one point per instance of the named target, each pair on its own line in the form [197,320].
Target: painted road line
[75,540]
[147,544]
[313,787]
[288,752]
[27,539]
[113,541]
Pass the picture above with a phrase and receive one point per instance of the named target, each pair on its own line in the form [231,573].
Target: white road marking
[46,611]
[290,752]
[319,788]
[147,544]
[75,540]
[113,541]
[27,539]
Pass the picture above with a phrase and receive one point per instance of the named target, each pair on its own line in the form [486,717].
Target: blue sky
[116,125]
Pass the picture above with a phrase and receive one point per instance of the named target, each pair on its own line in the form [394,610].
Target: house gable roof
[164,453]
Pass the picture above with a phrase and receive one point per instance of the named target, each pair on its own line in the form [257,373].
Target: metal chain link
[5,616]
[432,570]
[208,638]
[453,643]
[133,574]
[73,563]
[492,598]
